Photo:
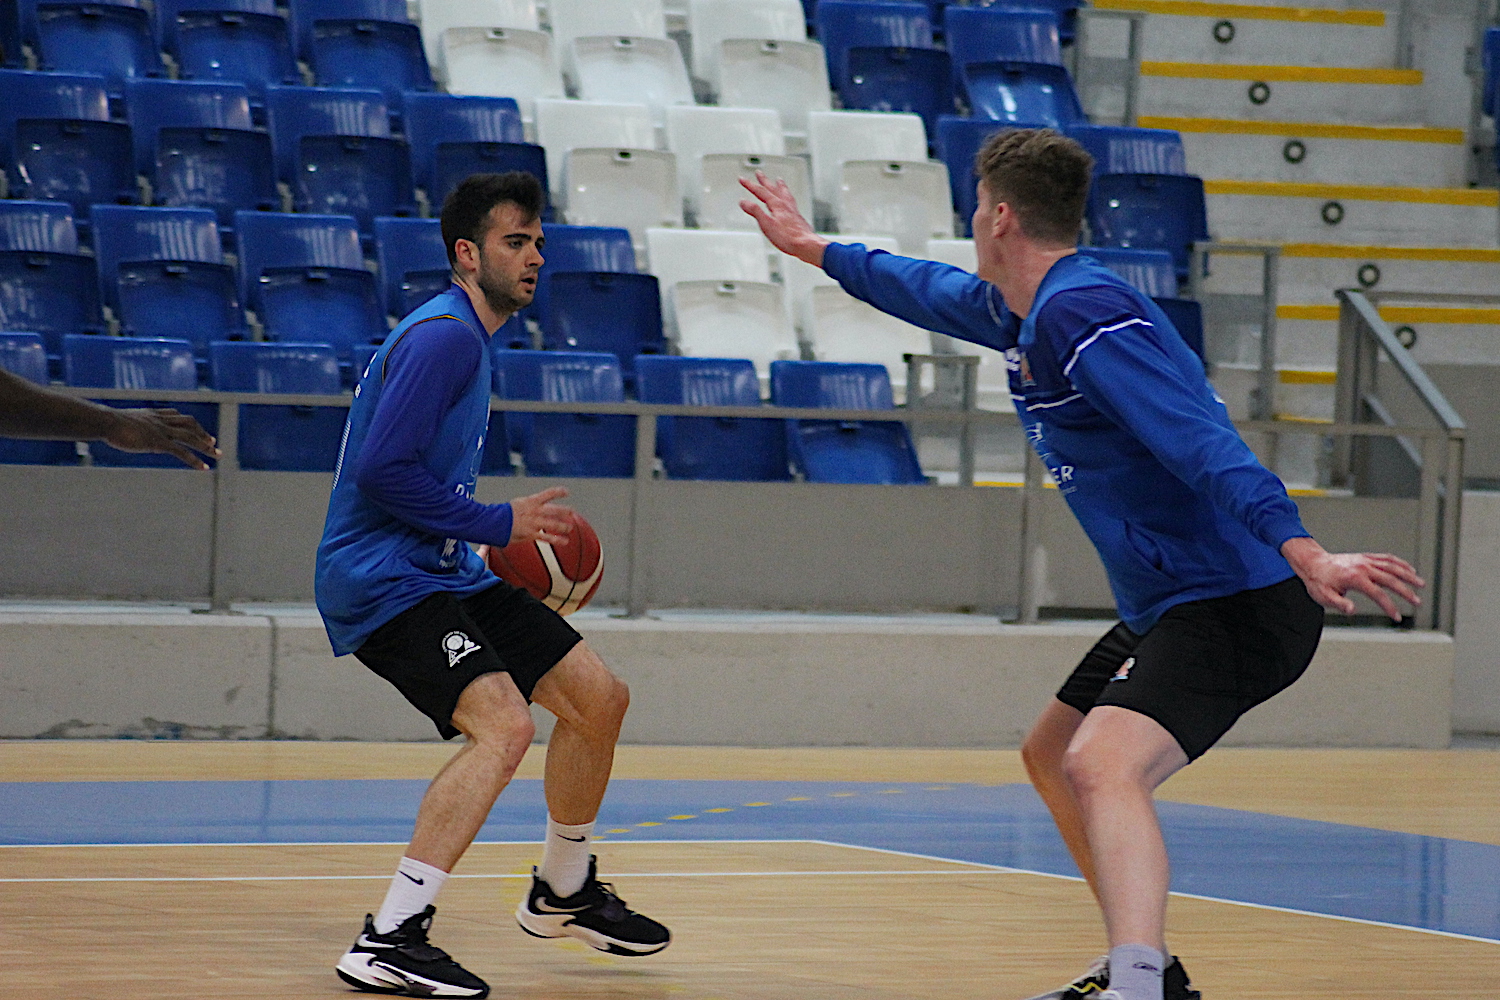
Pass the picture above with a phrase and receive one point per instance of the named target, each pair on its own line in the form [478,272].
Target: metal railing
[1090,71]
[1263,402]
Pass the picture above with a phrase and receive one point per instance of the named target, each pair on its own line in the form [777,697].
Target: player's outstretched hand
[165,431]
[775,210]
[1329,576]
[537,519]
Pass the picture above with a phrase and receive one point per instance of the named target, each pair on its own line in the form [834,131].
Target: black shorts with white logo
[1204,663]
[435,649]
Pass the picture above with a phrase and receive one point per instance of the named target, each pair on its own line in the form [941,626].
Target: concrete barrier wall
[1476,652]
[705,680]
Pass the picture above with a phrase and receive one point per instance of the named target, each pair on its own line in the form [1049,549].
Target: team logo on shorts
[1123,674]
[457,646]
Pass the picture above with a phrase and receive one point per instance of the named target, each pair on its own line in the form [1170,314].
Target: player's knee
[1087,770]
[492,713]
[1039,755]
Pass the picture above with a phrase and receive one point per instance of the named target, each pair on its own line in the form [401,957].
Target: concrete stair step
[1282,211]
[1259,33]
[1281,92]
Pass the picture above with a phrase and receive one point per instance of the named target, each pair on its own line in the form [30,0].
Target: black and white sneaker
[403,963]
[593,914]
[1175,984]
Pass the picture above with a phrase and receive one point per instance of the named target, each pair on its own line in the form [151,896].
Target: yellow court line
[1488,198]
[1284,74]
[1308,130]
[1397,314]
[1351,251]
[1249,12]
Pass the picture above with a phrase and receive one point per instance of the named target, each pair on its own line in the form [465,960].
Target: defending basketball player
[399,587]
[1219,587]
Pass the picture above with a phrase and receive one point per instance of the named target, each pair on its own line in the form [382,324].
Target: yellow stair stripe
[1249,12]
[1357,192]
[1308,130]
[1398,314]
[1294,377]
[1284,74]
[1340,251]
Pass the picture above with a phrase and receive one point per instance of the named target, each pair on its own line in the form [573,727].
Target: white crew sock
[413,889]
[1135,972]
[565,858]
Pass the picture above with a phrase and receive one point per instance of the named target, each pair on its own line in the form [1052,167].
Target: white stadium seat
[733,319]
[584,18]
[502,62]
[678,255]
[693,132]
[635,189]
[720,194]
[565,125]
[715,21]
[836,137]
[791,77]
[440,15]
[994,384]
[649,70]
[799,278]
[843,328]
[908,200]
[959,253]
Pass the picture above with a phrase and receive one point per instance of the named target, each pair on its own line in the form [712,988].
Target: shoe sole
[551,926]
[354,967]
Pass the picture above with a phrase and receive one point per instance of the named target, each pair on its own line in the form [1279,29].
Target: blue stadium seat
[1000,34]
[712,447]
[1120,149]
[334,147]
[564,444]
[603,311]
[10,35]
[383,54]
[1187,316]
[1490,57]
[452,137]
[282,438]
[46,286]
[413,262]
[846,24]
[23,354]
[197,144]
[245,41]
[454,161]
[112,38]
[305,277]
[163,272]
[58,144]
[1065,11]
[136,363]
[581,248]
[1150,211]
[1023,93]
[958,141]
[888,79]
[828,451]
[1152,272]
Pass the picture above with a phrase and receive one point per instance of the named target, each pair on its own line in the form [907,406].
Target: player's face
[984,232]
[509,259]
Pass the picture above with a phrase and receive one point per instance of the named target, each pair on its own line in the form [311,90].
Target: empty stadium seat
[956,253]
[1065,11]
[112,39]
[196,143]
[1187,316]
[604,312]
[1119,149]
[1152,272]
[649,70]
[163,272]
[136,363]
[789,77]
[958,141]
[10,35]
[744,319]
[363,43]
[452,137]
[46,286]
[694,132]
[719,193]
[413,262]
[799,278]
[1000,33]
[245,41]
[715,21]
[58,144]
[562,126]
[440,15]
[829,451]
[334,148]
[844,328]
[305,277]
[581,248]
[1490,59]
[635,189]
[907,200]
[993,379]
[1023,93]
[588,18]
[845,24]
[836,137]
[24,354]
[282,438]
[727,448]
[704,254]
[564,444]
[919,81]
[501,62]
[1150,211]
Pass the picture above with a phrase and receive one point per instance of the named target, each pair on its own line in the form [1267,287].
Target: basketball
[564,576]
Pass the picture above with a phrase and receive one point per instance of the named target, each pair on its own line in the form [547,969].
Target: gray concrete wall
[1476,651]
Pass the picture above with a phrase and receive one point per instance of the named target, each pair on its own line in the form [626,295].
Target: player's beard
[501,293]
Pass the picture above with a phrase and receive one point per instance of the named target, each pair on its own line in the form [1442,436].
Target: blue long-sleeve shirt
[1119,409]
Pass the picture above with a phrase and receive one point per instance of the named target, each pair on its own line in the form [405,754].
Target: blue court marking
[1450,886]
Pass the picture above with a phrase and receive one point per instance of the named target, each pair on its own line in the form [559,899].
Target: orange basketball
[563,576]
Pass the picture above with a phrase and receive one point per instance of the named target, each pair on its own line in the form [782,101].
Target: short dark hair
[1043,175]
[466,210]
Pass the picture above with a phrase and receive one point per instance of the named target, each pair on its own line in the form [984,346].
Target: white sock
[413,889]
[565,858]
[1135,972]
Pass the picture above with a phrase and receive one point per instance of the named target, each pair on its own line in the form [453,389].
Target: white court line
[403,843]
[387,877]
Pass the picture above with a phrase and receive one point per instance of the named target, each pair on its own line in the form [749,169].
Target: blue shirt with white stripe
[1121,412]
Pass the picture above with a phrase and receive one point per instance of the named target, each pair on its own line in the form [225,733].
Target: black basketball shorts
[1204,663]
[435,649]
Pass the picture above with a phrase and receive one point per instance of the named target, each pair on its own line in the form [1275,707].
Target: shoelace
[613,908]
[417,946]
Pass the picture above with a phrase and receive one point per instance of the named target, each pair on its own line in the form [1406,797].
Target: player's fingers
[1396,585]
[1330,598]
[1380,597]
[756,210]
[560,525]
[186,457]
[542,536]
[1399,567]
[548,495]
[755,185]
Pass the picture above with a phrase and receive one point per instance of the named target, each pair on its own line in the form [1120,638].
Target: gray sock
[1135,972]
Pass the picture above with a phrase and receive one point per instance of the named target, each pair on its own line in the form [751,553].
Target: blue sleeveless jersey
[372,566]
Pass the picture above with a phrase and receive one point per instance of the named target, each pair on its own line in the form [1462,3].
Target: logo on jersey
[1025,368]
[457,646]
[1123,674]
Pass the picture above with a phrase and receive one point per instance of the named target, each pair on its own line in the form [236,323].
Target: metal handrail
[1264,403]
[1082,69]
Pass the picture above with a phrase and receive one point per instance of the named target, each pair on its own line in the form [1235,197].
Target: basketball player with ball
[400,588]
[1219,587]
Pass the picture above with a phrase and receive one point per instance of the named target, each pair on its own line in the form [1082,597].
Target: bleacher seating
[918,81]
[791,77]
[837,138]
[1152,211]
[282,438]
[649,70]
[162,271]
[1490,67]
[1152,272]
[413,262]
[704,254]
[907,200]
[453,136]
[1023,93]
[244,41]
[572,19]
[502,62]
[828,451]
[440,15]
[114,40]
[958,142]
[1118,149]
[581,248]
[724,448]
[566,444]
[57,142]
[604,312]
[23,354]
[846,24]
[363,44]
[136,363]
[46,286]
[716,21]
[694,133]
[562,126]
[983,34]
